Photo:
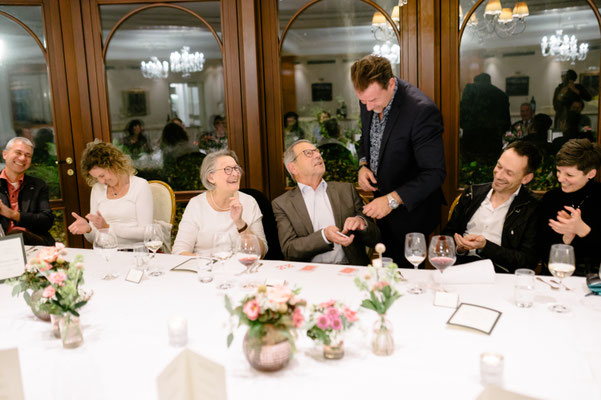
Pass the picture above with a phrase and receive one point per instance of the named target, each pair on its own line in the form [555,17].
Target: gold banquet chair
[163,201]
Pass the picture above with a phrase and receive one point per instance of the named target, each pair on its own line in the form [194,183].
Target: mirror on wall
[318,99]
[165,87]
[528,71]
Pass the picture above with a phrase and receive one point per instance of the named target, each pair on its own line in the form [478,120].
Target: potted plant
[327,323]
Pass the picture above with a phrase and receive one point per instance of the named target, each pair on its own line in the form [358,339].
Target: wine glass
[106,242]
[442,254]
[562,264]
[153,242]
[415,253]
[248,252]
[222,250]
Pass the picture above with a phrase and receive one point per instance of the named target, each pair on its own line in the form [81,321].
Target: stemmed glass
[562,264]
[248,252]
[153,242]
[442,254]
[415,253]
[222,250]
[106,242]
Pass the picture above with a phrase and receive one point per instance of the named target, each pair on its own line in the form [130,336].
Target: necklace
[215,203]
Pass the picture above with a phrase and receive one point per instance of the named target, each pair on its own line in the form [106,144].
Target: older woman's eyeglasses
[308,153]
[229,170]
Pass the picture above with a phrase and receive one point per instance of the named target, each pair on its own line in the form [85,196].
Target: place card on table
[347,271]
[13,260]
[476,317]
[134,276]
[497,393]
[309,268]
[11,386]
[446,299]
[191,264]
[191,376]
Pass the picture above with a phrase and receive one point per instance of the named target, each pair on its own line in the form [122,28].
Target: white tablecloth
[547,355]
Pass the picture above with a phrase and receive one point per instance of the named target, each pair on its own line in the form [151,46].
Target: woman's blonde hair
[104,155]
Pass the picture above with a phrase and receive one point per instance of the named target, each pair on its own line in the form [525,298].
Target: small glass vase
[55,320]
[71,331]
[269,352]
[382,342]
[34,302]
[334,351]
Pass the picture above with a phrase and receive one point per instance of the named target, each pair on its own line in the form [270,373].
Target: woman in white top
[120,201]
[222,208]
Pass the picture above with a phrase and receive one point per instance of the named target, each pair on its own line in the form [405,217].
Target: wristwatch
[392,203]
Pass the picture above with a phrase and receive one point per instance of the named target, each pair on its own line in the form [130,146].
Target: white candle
[178,331]
[491,368]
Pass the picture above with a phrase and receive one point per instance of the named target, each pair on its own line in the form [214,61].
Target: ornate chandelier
[504,22]
[563,48]
[154,69]
[383,32]
[186,62]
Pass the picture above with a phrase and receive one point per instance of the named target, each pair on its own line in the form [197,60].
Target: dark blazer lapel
[26,194]
[393,116]
[334,197]
[299,206]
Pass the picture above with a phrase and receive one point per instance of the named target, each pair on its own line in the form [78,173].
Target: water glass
[142,256]
[106,243]
[524,288]
[205,268]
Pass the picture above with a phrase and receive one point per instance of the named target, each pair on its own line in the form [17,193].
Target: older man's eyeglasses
[309,153]
[229,170]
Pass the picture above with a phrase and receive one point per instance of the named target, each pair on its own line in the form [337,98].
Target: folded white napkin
[481,271]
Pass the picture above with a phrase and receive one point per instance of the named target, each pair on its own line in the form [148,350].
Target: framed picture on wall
[517,85]
[134,103]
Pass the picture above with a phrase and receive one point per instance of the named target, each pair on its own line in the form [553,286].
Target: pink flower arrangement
[57,278]
[271,308]
[328,320]
[49,292]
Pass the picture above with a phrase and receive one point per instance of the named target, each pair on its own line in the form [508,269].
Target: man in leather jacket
[498,220]
[24,202]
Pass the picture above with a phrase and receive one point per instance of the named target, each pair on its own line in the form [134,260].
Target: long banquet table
[547,355]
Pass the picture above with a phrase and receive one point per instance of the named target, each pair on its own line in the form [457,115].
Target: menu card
[191,376]
[11,386]
[13,260]
[476,317]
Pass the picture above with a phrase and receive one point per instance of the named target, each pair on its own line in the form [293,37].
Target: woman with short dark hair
[571,212]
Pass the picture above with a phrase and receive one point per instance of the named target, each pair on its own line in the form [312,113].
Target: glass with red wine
[442,254]
[248,252]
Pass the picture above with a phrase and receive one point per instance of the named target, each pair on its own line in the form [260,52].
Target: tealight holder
[178,331]
[491,368]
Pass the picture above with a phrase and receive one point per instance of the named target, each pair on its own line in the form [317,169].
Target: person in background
[401,154]
[484,118]
[521,128]
[134,140]
[571,213]
[120,201]
[498,220]
[217,138]
[538,132]
[175,143]
[564,96]
[318,130]
[312,216]
[43,154]
[222,208]
[24,202]
[292,129]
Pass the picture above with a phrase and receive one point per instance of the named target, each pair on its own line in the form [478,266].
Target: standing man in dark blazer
[401,154]
[24,202]
[321,221]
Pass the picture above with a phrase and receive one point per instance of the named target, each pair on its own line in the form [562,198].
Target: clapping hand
[80,226]
[469,242]
[570,224]
[353,224]
[97,220]
[8,212]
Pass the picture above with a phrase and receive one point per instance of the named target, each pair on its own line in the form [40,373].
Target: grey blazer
[295,231]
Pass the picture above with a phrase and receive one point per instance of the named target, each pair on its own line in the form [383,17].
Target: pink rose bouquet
[328,321]
[271,313]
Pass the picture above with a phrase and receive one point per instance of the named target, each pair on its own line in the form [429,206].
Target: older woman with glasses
[222,208]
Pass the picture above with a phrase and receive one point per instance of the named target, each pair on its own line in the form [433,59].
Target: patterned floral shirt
[377,131]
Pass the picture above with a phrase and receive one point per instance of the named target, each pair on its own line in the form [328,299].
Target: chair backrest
[163,200]
[452,208]
[270,226]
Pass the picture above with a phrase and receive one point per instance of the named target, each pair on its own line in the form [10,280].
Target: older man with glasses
[321,221]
